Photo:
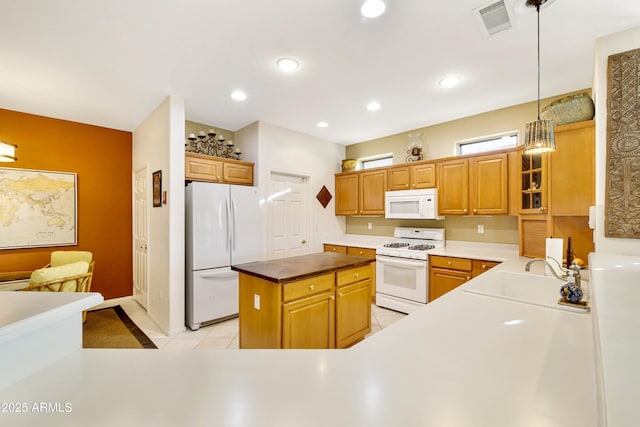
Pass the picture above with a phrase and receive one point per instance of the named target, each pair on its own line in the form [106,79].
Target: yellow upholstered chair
[68,271]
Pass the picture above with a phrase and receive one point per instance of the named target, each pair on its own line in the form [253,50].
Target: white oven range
[402,269]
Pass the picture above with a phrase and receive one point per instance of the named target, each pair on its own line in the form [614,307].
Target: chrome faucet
[572,271]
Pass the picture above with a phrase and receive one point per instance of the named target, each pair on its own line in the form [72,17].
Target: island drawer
[353,275]
[307,287]
[451,263]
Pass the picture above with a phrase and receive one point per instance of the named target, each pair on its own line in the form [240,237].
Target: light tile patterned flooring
[223,335]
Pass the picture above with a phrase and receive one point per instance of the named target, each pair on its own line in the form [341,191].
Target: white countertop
[459,361]
[21,312]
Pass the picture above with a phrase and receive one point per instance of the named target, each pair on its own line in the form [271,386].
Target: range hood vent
[492,18]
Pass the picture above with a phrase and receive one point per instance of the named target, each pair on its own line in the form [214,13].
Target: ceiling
[111,62]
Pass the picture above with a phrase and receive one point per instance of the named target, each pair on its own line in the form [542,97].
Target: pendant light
[8,152]
[538,135]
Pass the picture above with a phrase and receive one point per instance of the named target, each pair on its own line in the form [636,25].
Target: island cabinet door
[353,313]
[309,322]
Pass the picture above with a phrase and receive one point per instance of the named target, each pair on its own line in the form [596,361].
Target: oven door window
[400,277]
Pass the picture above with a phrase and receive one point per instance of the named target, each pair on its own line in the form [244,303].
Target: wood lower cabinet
[200,167]
[480,266]
[325,311]
[358,251]
[336,249]
[309,322]
[353,306]
[447,273]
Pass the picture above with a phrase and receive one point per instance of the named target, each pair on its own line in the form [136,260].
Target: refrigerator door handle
[228,237]
[234,221]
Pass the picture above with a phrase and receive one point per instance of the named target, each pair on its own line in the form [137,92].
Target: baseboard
[111,303]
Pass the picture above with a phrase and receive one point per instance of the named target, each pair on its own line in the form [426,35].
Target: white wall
[283,150]
[606,46]
[159,142]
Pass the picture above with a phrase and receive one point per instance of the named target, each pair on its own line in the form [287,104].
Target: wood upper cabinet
[373,184]
[489,184]
[361,193]
[409,177]
[200,167]
[423,175]
[572,167]
[453,187]
[399,178]
[347,196]
[534,188]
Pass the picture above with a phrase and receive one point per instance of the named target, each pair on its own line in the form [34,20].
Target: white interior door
[288,216]
[140,235]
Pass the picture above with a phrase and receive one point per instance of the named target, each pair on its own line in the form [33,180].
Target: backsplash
[497,229]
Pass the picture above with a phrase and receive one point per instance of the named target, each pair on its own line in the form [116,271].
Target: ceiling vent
[492,18]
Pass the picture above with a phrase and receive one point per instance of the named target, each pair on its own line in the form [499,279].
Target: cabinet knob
[312,287]
[475,210]
[334,249]
[356,275]
[465,210]
[218,177]
[361,252]
[468,277]
[448,262]
[484,266]
[413,184]
[332,298]
[340,294]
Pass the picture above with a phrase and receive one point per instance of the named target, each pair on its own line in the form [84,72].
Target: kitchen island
[311,301]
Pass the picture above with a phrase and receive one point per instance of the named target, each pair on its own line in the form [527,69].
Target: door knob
[304,241]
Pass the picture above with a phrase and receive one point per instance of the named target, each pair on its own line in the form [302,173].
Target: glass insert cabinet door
[534,183]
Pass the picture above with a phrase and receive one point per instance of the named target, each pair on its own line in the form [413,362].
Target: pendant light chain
[538,12]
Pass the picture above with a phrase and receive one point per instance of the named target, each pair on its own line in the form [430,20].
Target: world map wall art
[37,208]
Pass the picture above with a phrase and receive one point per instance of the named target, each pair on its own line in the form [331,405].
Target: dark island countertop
[285,270]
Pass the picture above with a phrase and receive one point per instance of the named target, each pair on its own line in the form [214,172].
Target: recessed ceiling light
[373,106]
[372,8]
[288,65]
[450,81]
[322,124]
[238,95]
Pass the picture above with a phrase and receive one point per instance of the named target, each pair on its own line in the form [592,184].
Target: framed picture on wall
[157,189]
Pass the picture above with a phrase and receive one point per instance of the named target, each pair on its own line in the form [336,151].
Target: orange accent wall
[101,158]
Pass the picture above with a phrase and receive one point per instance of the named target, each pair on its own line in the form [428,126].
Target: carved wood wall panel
[622,200]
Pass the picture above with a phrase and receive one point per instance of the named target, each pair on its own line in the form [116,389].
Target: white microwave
[412,204]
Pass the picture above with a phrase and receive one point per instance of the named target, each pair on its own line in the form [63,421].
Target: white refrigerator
[222,228]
